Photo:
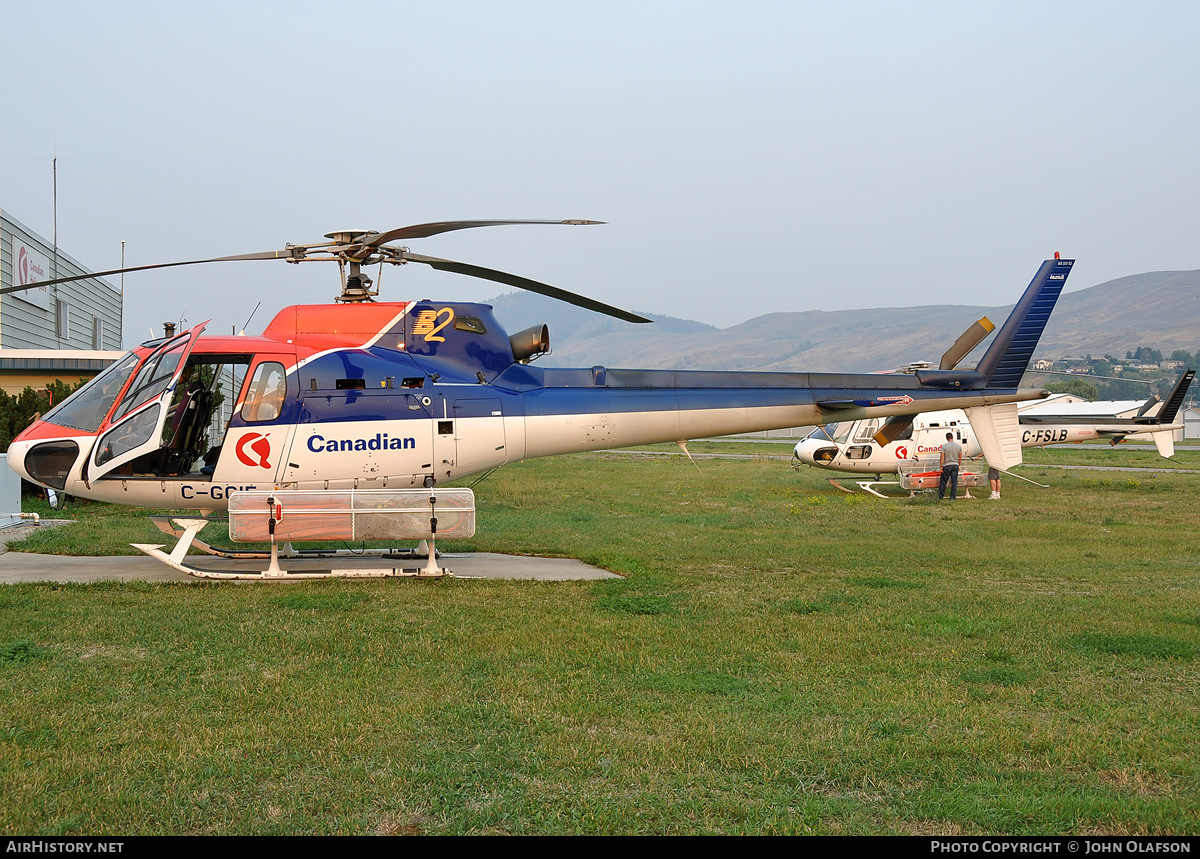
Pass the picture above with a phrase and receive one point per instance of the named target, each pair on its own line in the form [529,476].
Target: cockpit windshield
[86,408]
[837,433]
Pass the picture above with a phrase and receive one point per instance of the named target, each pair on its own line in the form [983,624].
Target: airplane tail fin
[1004,362]
[1174,401]
[1006,359]
[1164,439]
[998,431]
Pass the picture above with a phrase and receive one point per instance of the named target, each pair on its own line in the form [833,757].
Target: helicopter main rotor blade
[525,283]
[287,253]
[893,429]
[421,231]
[967,341]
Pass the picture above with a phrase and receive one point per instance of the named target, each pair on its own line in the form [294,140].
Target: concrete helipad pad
[24,567]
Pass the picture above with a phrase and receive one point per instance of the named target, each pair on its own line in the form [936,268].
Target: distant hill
[570,324]
[1157,309]
[1160,309]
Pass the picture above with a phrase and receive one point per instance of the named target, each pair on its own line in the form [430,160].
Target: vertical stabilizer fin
[1006,359]
[1174,400]
[998,431]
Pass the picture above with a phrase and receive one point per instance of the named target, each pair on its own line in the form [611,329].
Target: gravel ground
[18,532]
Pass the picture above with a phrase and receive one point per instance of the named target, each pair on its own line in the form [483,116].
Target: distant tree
[1164,386]
[1102,368]
[18,412]
[1182,355]
[1147,355]
[1076,386]
[1120,389]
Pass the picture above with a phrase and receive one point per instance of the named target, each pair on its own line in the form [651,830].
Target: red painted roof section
[331,325]
[244,344]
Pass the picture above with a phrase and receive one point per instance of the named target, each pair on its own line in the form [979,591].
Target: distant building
[1042,364]
[69,331]
[1191,422]
[35,368]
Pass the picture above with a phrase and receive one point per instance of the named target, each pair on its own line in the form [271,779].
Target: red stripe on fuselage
[41,429]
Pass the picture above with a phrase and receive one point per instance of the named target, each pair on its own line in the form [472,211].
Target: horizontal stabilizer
[998,431]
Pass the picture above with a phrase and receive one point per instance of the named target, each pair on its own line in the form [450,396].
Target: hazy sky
[749,157]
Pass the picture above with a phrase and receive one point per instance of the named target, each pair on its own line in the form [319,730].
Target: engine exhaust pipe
[530,342]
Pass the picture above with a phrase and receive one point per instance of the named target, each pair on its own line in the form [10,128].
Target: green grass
[1120,456]
[779,658]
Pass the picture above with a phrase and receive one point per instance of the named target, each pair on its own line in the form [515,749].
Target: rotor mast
[356,288]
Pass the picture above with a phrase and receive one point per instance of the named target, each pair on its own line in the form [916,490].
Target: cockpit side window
[152,379]
[867,430]
[837,432]
[824,433]
[266,394]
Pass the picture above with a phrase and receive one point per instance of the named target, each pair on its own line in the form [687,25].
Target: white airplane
[911,449]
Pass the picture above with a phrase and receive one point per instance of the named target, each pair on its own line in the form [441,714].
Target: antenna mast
[54,163]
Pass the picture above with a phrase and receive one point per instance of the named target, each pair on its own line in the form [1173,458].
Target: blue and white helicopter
[368,397]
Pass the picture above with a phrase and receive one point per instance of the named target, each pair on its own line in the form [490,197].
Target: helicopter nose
[16,458]
[47,462]
[812,451]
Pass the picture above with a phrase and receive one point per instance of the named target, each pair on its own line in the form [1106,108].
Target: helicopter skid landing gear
[869,486]
[187,529]
[167,525]
[865,486]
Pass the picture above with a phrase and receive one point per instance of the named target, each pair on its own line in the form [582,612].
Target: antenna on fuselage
[683,443]
[251,316]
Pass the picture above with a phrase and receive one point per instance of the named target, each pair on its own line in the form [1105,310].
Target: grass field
[779,658]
